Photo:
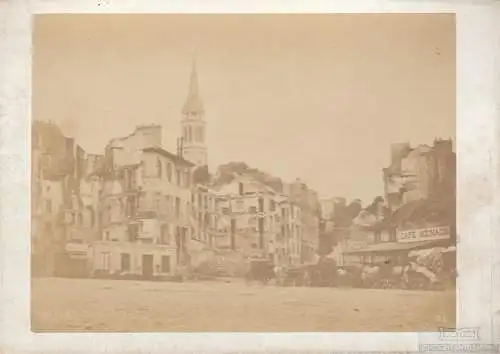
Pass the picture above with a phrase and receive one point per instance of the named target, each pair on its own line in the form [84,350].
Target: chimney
[150,133]
[398,151]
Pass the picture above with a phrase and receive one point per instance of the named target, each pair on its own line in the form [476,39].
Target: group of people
[427,269]
[421,271]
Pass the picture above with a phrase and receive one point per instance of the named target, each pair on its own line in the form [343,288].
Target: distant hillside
[227,172]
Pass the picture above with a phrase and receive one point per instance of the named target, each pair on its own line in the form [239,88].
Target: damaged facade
[139,209]
[260,220]
[145,207]
[58,170]
[419,210]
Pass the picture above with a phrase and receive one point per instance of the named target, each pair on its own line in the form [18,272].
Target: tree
[353,210]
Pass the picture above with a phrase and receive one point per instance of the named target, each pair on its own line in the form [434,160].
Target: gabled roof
[159,150]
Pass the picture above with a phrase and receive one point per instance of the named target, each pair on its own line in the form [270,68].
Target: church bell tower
[193,124]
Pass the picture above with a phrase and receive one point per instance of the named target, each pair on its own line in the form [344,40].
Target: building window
[240,188]
[159,168]
[186,178]
[261,204]
[48,206]
[106,236]
[177,206]
[252,210]
[158,204]
[189,134]
[125,262]
[272,205]
[133,232]
[165,264]
[80,219]
[92,216]
[179,177]
[169,172]
[165,239]
[105,261]
[169,205]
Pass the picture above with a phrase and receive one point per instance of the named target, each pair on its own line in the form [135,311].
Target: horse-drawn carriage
[321,274]
[297,276]
[261,270]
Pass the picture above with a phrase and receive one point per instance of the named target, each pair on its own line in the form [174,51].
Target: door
[105,262]
[147,265]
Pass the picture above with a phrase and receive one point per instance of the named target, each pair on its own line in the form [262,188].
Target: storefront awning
[392,247]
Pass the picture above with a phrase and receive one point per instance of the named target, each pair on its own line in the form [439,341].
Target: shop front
[432,248]
[395,253]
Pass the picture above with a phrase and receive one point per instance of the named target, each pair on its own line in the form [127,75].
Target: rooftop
[161,151]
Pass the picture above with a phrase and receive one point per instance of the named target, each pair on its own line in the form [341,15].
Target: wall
[136,251]
[115,232]
[249,186]
[52,192]
[127,150]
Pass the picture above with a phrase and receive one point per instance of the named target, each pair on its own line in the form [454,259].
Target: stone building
[424,172]
[53,181]
[259,220]
[289,239]
[308,202]
[145,207]
[204,221]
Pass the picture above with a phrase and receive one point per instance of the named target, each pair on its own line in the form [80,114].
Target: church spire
[193,102]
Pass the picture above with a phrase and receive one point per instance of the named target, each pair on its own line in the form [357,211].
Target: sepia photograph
[243,173]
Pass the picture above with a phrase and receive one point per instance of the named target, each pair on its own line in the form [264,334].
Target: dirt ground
[133,306]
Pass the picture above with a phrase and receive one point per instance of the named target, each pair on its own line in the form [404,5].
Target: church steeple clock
[193,124]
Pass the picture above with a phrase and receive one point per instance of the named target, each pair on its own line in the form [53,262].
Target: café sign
[428,234]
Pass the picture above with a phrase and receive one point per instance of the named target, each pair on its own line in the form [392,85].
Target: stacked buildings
[418,210]
[61,203]
[261,221]
[143,210]
[425,172]
[145,206]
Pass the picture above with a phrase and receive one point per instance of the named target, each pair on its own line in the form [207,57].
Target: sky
[316,97]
